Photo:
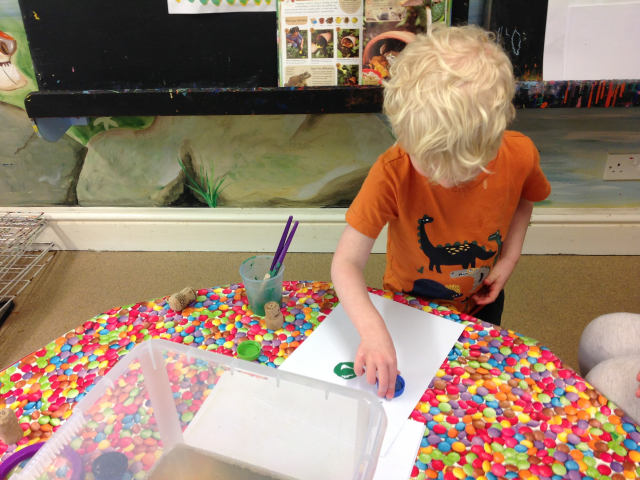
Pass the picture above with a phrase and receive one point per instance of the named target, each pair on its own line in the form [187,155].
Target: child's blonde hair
[449,101]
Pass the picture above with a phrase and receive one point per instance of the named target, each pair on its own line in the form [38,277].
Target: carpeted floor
[550,298]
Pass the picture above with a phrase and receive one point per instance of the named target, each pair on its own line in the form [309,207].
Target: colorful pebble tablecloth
[501,406]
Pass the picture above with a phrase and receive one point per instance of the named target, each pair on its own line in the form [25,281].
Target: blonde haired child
[456,191]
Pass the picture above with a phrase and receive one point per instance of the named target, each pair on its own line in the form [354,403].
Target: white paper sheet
[611,26]
[220,6]
[399,460]
[613,52]
[422,342]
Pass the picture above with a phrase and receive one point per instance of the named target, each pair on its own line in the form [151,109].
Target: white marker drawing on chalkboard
[516,39]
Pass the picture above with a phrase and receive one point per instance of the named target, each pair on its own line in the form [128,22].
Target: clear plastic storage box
[168,411]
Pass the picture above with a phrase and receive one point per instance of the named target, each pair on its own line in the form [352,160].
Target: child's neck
[445,183]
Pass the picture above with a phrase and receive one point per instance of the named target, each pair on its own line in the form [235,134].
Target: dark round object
[110,466]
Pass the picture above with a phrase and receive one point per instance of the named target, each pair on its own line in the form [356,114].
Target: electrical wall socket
[622,167]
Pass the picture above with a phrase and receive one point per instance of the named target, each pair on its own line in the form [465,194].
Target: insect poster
[320,43]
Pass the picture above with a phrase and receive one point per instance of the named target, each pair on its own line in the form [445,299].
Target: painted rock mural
[35,172]
[279,160]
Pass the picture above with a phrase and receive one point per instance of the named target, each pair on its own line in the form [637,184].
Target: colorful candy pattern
[501,406]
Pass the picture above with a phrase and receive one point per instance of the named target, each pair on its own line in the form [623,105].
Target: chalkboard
[520,26]
[459,12]
[126,44]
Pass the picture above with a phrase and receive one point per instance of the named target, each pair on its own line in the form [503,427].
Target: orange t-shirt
[442,242]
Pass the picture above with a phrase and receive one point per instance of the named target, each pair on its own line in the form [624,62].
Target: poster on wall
[220,6]
[320,43]
[389,25]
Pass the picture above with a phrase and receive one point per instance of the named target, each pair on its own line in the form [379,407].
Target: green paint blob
[345,370]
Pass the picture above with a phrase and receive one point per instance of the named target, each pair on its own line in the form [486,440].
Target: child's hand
[494,283]
[377,354]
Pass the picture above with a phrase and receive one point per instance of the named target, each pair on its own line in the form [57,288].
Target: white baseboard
[552,231]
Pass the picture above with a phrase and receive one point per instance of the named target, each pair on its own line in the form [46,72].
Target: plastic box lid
[211,411]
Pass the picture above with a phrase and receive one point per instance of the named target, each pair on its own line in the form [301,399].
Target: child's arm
[376,351]
[511,250]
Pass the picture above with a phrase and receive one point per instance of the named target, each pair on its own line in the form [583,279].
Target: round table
[501,405]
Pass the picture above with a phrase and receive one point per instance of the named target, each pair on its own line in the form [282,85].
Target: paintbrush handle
[281,244]
[285,249]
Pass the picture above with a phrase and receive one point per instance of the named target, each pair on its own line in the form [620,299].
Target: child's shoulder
[518,148]
[517,140]
[394,156]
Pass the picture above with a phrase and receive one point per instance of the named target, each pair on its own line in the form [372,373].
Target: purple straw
[286,247]
[281,244]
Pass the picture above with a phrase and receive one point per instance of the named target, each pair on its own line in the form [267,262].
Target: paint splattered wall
[262,161]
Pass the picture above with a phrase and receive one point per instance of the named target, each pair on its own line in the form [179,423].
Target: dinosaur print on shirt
[496,237]
[463,254]
[431,289]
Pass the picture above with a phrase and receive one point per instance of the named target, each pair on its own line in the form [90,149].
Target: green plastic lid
[249,350]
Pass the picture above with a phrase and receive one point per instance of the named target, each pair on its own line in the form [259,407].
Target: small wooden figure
[179,301]
[10,431]
[273,316]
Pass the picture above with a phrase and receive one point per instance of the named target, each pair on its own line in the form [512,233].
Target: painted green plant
[208,187]
[97,125]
